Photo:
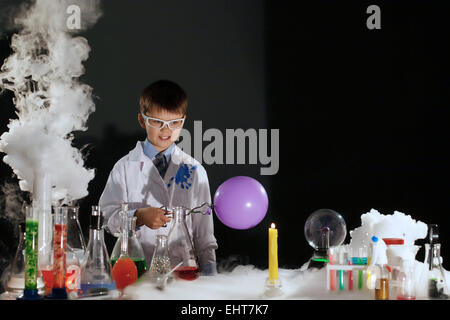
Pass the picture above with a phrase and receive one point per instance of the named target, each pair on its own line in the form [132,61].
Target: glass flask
[437,285]
[31,253]
[323,229]
[96,271]
[181,247]
[75,238]
[160,264]
[124,272]
[135,251]
[59,253]
[15,277]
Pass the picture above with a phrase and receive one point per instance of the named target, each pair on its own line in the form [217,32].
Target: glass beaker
[135,251]
[124,271]
[181,247]
[31,253]
[96,271]
[437,285]
[406,287]
[160,264]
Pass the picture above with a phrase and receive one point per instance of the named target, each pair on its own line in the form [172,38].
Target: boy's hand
[153,218]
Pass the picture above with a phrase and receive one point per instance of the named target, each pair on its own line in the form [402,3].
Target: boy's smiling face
[161,138]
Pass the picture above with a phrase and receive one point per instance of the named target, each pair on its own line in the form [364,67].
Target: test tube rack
[349,277]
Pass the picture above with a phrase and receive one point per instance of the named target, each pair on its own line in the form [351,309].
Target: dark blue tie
[161,164]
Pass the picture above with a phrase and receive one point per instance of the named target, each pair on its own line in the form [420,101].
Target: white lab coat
[134,179]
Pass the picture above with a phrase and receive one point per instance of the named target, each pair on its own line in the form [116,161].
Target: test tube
[31,253]
[350,272]
[331,261]
[59,253]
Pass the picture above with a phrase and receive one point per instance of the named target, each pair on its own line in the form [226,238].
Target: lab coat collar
[147,166]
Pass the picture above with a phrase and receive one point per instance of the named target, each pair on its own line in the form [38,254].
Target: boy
[148,177]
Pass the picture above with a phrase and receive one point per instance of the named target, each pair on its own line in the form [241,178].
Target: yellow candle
[273,252]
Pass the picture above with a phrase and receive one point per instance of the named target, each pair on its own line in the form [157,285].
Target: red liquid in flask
[124,272]
[187,273]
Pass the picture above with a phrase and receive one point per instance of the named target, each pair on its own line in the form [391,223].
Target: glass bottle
[406,286]
[124,271]
[437,285]
[135,251]
[96,271]
[160,264]
[59,253]
[181,247]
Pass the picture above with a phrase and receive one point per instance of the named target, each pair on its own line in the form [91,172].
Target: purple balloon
[241,202]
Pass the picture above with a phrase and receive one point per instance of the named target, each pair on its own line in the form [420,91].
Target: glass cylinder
[31,248]
[406,287]
[59,251]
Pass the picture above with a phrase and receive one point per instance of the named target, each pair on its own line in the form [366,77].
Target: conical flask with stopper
[135,251]
[437,284]
[124,271]
[181,247]
[96,271]
[160,265]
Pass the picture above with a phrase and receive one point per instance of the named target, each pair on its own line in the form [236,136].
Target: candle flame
[272,225]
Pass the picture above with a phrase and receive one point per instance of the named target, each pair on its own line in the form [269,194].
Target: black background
[363,114]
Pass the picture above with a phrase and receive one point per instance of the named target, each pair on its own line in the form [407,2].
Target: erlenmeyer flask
[124,271]
[135,251]
[181,248]
[15,277]
[160,264]
[75,238]
[96,271]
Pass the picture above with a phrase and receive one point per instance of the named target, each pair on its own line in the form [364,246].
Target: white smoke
[51,103]
[248,282]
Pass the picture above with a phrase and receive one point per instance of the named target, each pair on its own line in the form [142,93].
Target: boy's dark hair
[165,95]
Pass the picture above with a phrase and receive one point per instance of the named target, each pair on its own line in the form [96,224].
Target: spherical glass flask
[325,228]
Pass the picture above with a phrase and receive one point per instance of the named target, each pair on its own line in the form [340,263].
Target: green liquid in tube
[31,254]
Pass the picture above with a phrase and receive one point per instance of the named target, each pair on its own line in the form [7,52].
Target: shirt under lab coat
[135,180]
